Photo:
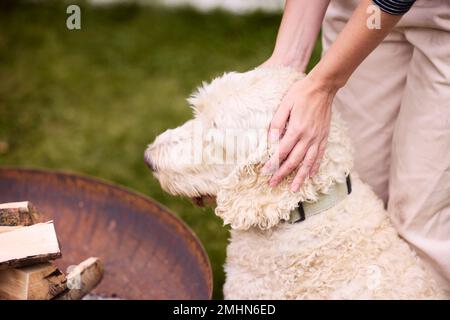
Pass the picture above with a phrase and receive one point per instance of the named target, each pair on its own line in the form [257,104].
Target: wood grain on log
[28,245]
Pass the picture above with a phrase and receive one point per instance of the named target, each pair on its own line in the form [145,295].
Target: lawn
[90,100]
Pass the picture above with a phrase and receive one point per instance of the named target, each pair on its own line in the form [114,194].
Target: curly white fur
[348,252]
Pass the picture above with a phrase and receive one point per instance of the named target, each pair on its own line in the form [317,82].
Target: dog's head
[221,151]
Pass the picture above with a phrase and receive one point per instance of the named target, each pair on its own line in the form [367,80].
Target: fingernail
[273,183]
[295,187]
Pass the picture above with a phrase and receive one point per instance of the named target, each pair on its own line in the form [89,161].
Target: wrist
[293,61]
[322,83]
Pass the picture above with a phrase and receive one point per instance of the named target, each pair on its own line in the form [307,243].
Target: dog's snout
[149,162]
[151,166]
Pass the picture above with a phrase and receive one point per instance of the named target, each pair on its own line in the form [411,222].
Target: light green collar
[336,194]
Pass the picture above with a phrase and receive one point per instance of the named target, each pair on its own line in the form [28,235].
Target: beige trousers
[397,108]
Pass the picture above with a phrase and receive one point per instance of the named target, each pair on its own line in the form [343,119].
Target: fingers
[277,127]
[303,142]
[305,167]
[287,143]
[292,163]
[319,157]
[279,120]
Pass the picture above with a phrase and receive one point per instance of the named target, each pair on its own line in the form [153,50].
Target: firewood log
[37,282]
[8,228]
[82,279]
[18,214]
[28,245]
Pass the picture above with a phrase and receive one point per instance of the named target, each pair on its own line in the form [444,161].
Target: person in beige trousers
[386,69]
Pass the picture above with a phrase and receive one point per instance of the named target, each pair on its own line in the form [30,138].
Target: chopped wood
[18,214]
[37,282]
[8,228]
[28,245]
[82,279]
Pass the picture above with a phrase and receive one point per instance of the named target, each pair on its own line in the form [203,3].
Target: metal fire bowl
[147,251]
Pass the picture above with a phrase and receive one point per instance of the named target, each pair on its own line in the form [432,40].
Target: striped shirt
[397,7]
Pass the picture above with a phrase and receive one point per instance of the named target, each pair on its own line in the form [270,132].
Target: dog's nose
[149,162]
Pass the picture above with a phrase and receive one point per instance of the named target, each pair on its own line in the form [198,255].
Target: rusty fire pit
[148,252]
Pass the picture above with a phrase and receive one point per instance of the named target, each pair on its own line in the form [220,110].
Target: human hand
[307,107]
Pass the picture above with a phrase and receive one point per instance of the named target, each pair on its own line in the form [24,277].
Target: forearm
[302,121]
[352,46]
[298,32]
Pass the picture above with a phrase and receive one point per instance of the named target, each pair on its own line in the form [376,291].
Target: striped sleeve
[397,7]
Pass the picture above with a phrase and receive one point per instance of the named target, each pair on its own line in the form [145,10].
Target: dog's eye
[214,125]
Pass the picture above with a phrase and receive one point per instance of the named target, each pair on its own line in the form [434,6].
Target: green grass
[91,100]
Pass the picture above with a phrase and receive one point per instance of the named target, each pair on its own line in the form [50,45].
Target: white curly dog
[343,245]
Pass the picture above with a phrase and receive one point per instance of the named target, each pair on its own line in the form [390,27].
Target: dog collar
[337,193]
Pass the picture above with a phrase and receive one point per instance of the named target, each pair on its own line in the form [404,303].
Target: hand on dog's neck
[246,200]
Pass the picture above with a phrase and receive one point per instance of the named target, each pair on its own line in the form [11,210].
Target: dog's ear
[245,199]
